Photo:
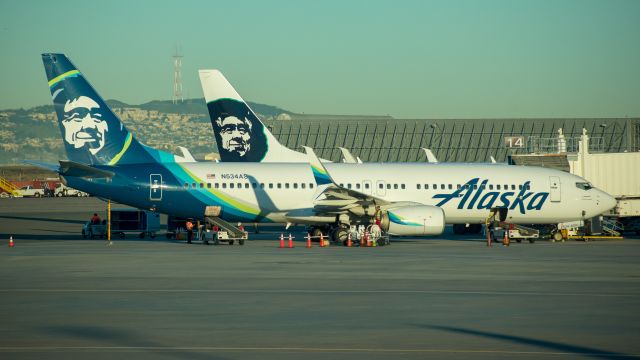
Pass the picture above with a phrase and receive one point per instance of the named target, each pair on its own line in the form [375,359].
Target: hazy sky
[424,59]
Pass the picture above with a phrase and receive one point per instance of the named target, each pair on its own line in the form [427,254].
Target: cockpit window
[584,185]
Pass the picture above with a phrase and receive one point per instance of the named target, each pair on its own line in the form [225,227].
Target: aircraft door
[366,187]
[380,188]
[555,189]
[155,187]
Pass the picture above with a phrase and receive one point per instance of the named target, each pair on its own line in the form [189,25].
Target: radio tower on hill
[177,77]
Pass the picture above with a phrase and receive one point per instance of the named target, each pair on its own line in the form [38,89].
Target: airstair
[612,227]
[9,188]
[212,218]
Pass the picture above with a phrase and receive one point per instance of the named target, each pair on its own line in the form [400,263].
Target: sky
[408,59]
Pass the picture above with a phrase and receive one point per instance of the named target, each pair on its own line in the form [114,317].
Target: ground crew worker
[240,227]
[95,219]
[189,226]
[378,216]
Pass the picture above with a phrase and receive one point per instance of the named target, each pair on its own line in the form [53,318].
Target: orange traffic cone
[11,244]
[349,240]
[281,241]
[321,240]
[308,241]
[290,241]
[505,239]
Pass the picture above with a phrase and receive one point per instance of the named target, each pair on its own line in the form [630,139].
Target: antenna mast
[177,77]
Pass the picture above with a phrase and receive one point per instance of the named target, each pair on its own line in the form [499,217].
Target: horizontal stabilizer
[48,166]
[70,168]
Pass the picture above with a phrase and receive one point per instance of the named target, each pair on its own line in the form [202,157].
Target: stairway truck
[413,220]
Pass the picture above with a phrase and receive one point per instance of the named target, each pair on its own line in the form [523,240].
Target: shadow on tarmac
[67,221]
[120,338]
[550,345]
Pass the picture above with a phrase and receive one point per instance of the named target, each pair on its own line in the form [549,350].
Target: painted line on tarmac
[299,349]
[311,291]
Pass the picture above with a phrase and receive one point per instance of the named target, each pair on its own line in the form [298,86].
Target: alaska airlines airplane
[106,160]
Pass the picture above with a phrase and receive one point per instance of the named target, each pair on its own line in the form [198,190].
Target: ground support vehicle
[90,230]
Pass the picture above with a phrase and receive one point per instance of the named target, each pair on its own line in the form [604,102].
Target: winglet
[348,157]
[493,160]
[430,157]
[320,173]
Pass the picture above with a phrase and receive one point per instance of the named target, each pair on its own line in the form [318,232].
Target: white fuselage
[532,194]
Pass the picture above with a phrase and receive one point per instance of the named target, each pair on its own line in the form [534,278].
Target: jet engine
[413,220]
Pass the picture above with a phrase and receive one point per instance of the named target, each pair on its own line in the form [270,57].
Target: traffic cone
[11,244]
[505,239]
[290,241]
[281,241]
[321,240]
[349,240]
[308,241]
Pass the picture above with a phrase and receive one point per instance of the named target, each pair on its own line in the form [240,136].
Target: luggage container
[145,223]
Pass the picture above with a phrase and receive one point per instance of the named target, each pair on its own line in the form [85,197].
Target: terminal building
[385,139]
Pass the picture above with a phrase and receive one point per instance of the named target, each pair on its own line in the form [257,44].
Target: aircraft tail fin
[92,133]
[241,136]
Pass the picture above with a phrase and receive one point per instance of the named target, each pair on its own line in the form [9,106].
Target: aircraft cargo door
[554,189]
[155,189]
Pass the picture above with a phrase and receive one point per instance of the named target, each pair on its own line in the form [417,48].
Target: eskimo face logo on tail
[473,196]
[239,133]
[83,124]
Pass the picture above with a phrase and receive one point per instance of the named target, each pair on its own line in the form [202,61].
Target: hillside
[33,133]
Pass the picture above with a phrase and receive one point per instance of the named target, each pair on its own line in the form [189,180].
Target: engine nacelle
[413,220]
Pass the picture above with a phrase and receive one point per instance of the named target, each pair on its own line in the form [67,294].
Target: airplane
[106,160]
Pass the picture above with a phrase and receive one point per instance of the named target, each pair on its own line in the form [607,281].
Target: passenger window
[458,186]
[310,185]
[295,185]
[348,186]
[426,186]
[498,187]
[186,185]
[380,186]
[286,185]
[450,186]
[366,186]
[279,185]
[261,185]
[402,186]
[254,185]
[442,186]
[193,185]
[231,185]
[418,186]
[224,185]
[435,186]
[395,186]
[341,185]
[303,185]
[358,186]
[528,187]
[491,187]
[513,187]
[208,185]
[201,185]
[246,185]
[389,186]
[270,185]
[216,185]
[519,187]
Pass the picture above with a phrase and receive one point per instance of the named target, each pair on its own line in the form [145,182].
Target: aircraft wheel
[459,229]
[557,236]
[142,235]
[316,233]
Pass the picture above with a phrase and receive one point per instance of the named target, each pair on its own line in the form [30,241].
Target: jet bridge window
[583,185]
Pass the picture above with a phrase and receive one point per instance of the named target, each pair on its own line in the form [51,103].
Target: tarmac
[449,297]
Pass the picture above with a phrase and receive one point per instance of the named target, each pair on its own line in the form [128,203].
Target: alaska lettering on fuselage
[470,196]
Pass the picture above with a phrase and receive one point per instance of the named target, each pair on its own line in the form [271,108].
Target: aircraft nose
[607,202]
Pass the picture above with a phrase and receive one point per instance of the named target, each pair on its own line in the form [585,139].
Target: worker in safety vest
[377,216]
[189,226]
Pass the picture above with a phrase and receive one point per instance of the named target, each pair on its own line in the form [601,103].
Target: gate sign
[514,141]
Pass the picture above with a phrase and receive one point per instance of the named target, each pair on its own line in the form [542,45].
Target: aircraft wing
[336,199]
